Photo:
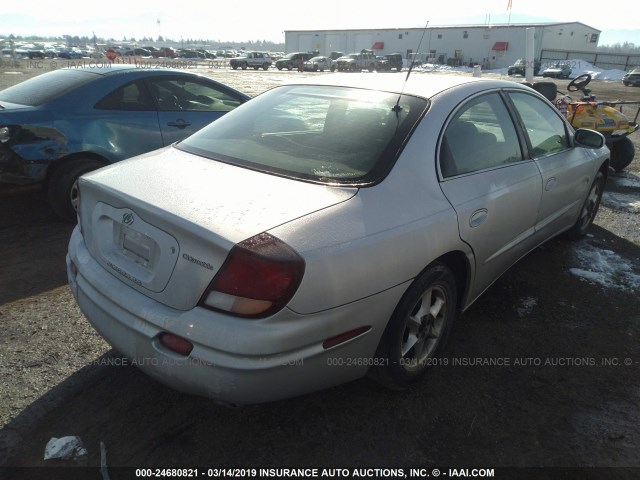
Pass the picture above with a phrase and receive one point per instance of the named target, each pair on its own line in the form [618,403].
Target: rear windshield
[46,87]
[322,134]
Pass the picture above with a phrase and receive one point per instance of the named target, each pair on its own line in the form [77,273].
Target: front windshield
[323,134]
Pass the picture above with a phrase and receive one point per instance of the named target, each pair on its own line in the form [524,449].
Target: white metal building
[493,46]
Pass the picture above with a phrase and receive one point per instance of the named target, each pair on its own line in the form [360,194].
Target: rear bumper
[233,360]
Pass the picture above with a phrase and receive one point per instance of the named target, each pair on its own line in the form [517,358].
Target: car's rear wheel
[589,208]
[418,328]
[62,188]
[244,65]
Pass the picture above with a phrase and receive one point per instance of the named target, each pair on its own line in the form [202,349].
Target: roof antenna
[396,108]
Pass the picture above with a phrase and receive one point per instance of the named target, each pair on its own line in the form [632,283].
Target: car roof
[419,84]
[105,69]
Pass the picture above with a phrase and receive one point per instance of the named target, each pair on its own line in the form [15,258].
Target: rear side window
[133,96]
[46,87]
[481,135]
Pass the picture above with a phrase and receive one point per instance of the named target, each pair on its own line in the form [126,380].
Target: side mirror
[588,138]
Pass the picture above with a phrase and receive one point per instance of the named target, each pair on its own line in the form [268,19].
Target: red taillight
[176,344]
[258,278]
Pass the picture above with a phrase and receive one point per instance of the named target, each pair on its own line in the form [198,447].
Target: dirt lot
[542,371]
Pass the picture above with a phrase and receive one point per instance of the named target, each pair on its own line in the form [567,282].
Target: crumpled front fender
[24,158]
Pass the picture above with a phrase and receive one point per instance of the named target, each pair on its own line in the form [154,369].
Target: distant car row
[311,61]
[553,70]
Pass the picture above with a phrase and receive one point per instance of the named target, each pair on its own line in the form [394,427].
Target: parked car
[164,52]
[70,54]
[190,54]
[520,67]
[355,62]
[36,54]
[294,60]
[328,229]
[152,50]
[61,124]
[319,64]
[557,70]
[254,60]
[632,77]
[138,52]
[389,61]
[206,53]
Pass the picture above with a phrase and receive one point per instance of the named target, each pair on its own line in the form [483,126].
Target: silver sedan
[325,230]
[319,63]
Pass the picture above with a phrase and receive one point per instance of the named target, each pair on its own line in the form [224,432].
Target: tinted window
[46,87]
[173,94]
[480,135]
[133,96]
[545,129]
[324,134]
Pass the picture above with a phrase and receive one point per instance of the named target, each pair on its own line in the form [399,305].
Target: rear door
[185,105]
[493,188]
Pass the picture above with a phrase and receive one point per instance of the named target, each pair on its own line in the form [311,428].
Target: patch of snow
[605,267]
[621,201]
[578,67]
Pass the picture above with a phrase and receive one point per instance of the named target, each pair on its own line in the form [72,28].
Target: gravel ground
[571,401]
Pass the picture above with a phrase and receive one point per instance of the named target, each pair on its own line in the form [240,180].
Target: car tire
[589,208]
[372,67]
[234,66]
[265,66]
[417,330]
[62,186]
[622,153]
[244,65]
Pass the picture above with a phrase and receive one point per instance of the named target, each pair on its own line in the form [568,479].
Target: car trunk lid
[164,222]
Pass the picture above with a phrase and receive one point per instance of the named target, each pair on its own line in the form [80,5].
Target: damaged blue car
[59,125]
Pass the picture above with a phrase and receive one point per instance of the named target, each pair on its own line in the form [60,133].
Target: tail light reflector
[175,343]
[343,337]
